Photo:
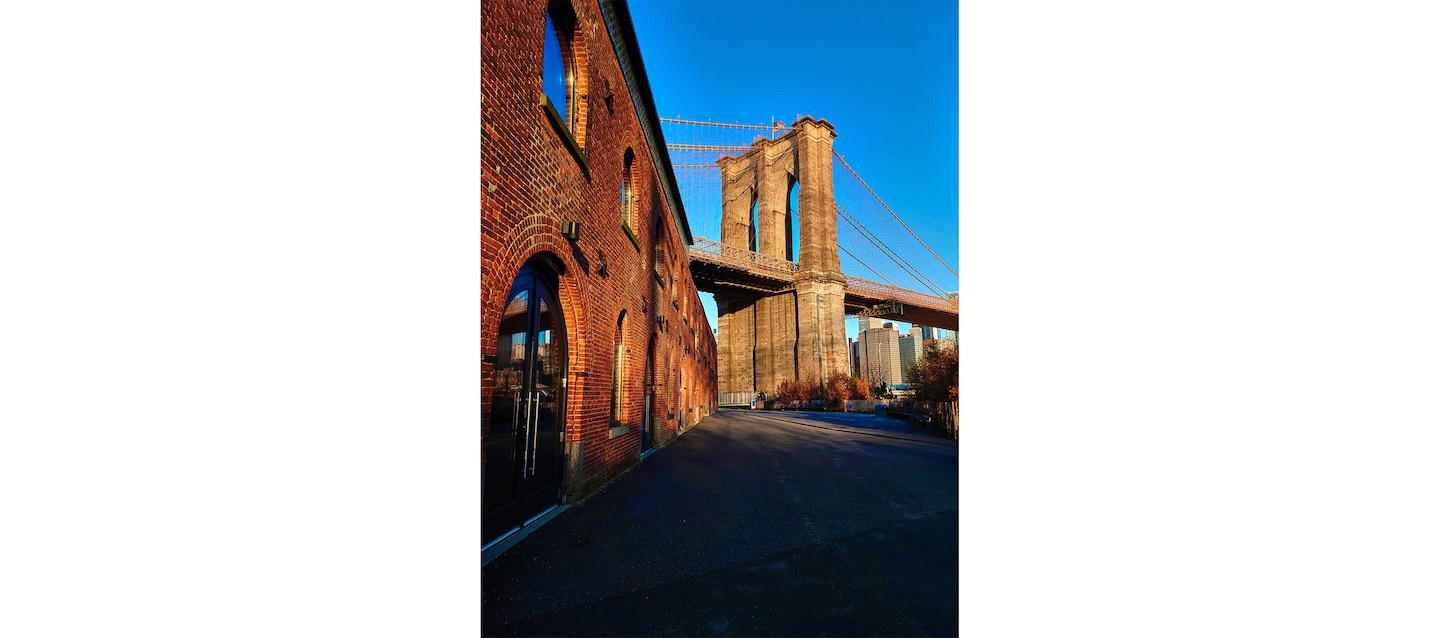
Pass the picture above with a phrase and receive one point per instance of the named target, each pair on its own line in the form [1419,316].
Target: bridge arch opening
[754,220]
[792,215]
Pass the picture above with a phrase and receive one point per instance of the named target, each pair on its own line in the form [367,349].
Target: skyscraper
[854,357]
[909,346]
[927,333]
[880,355]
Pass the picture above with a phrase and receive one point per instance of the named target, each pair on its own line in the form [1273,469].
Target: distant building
[943,344]
[866,323]
[880,355]
[854,356]
[909,346]
[927,333]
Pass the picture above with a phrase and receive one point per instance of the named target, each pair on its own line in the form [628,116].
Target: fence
[866,407]
[940,416]
[736,399]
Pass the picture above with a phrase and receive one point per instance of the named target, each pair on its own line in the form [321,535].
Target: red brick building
[594,345]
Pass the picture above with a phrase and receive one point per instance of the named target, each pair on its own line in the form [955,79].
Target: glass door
[522,439]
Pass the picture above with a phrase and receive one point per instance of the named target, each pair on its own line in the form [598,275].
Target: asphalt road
[751,524]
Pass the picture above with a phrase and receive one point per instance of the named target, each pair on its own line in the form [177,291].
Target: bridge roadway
[736,272]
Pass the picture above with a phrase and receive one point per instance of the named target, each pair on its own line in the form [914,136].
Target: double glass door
[522,440]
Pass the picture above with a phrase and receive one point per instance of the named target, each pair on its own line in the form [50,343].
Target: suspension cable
[697,147]
[867,266]
[796,215]
[680,121]
[889,252]
[892,212]
[704,147]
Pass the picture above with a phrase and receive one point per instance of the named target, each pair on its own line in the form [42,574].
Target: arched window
[660,259]
[627,191]
[618,371]
[554,75]
[562,75]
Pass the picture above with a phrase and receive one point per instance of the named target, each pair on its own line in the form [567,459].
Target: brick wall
[531,184]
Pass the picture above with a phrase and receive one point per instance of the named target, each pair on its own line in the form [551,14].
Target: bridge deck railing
[715,251]
[885,291]
[750,261]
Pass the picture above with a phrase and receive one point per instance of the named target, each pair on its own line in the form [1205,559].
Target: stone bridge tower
[798,333]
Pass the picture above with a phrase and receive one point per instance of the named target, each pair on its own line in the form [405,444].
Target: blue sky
[884,73]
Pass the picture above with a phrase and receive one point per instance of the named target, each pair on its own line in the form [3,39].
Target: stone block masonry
[796,334]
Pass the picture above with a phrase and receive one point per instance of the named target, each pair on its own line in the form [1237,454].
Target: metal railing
[714,251]
[939,416]
[869,288]
[732,399]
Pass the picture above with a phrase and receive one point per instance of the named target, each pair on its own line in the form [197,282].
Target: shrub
[936,376]
[838,389]
[799,390]
[860,388]
[816,390]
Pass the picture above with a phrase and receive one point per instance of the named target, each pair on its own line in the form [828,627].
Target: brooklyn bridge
[784,270]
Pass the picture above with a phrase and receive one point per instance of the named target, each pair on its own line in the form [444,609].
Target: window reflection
[544,352]
[553,74]
[510,362]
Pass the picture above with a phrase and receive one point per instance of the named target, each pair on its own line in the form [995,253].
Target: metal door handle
[515,409]
[522,424]
[529,430]
[534,429]
[527,464]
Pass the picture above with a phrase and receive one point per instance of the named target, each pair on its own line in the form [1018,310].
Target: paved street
[751,524]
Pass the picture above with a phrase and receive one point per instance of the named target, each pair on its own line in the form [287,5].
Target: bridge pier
[735,345]
[796,334]
[821,349]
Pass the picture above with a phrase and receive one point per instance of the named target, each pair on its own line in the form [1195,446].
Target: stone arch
[529,368]
[542,242]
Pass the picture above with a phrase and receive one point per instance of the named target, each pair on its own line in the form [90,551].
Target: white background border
[239,361]
[1199,352]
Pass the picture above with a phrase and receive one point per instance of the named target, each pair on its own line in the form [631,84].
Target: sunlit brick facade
[595,160]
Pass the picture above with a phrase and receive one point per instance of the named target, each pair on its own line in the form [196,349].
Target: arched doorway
[647,427]
[522,441]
